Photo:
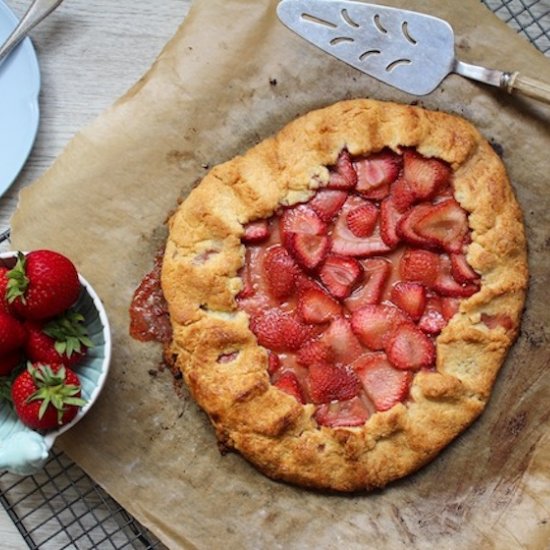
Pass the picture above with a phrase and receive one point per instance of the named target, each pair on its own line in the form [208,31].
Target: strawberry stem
[52,390]
[69,333]
[18,281]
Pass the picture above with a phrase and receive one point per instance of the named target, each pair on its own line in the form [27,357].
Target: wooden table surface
[90,52]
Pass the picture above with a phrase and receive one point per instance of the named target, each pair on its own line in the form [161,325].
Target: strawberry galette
[343,295]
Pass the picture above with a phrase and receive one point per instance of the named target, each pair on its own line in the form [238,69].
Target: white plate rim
[25,54]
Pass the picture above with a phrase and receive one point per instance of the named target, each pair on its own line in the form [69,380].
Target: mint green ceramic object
[24,451]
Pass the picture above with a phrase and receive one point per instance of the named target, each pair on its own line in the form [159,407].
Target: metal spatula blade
[411,51]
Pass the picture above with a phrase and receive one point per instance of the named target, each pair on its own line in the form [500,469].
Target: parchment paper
[231,76]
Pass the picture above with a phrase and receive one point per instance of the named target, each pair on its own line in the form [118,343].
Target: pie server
[411,51]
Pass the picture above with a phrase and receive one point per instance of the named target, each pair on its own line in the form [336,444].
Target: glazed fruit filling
[348,291]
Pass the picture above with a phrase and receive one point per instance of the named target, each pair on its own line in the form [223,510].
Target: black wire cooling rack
[62,508]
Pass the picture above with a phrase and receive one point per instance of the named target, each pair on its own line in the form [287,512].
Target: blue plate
[19,112]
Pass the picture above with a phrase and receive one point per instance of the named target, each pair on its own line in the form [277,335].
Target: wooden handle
[529,87]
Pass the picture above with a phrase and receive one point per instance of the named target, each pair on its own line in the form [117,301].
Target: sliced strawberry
[449,306]
[361,220]
[426,176]
[445,225]
[433,321]
[390,216]
[402,194]
[376,274]
[343,175]
[444,194]
[385,385]
[340,274]
[329,382]
[273,363]
[374,324]
[316,306]
[280,272]
[352,412]
[255,232]
[288,382]
[246,276]
[344,242]
[256,294]
[446,285]
[360,248]
[461,270]
[280,331]
[499,320]
[409,348]
[314,352]
[406,227]
[421,266]
[410,297]
[300,219]
[308,250]
[305,282]
[376,172]
[340,339]
[327,203]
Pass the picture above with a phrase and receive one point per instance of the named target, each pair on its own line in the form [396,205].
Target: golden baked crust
[200,282]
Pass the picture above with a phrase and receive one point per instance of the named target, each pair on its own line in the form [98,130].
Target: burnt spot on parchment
[497,148]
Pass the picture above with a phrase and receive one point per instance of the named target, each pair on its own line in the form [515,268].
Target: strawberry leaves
[52,390]
[18,282]
[69,333]
[46,396]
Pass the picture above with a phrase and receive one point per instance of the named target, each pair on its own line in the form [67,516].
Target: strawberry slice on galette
[343,295]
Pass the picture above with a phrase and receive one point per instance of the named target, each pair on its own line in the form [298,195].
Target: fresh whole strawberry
[12,333]
[63,340]
[46,396]
[42,284]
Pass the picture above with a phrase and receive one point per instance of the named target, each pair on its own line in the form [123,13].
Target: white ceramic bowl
[24,451]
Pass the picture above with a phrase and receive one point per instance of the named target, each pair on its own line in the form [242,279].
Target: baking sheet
[231,76]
